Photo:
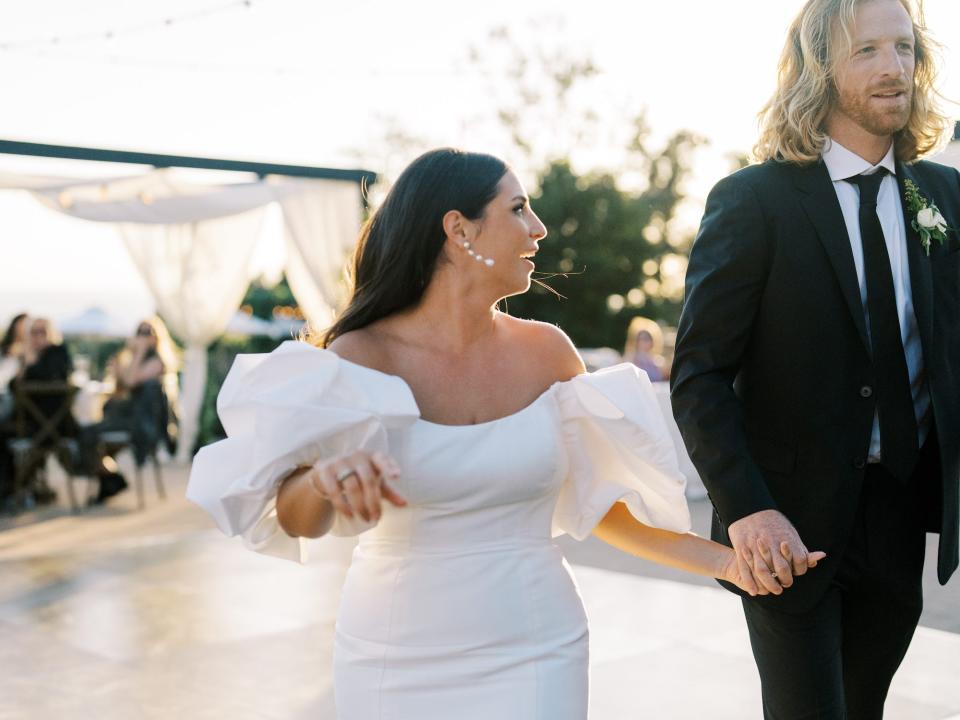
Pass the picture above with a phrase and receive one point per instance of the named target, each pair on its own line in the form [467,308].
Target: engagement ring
[341,477]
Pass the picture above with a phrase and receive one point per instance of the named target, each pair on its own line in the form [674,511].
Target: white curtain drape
[321,223]
[198,274]
[156,197]
[193,244]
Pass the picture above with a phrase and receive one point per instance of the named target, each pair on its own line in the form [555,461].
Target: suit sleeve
[725,281]
[956,231]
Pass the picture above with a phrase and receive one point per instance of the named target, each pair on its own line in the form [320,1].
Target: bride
[456,441]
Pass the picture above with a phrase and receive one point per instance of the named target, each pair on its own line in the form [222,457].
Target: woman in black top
[45,359]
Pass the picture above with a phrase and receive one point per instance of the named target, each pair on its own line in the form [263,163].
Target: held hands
[357,483]
[767,554]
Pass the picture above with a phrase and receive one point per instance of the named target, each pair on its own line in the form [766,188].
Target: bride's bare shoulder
[362,346]
[547,345]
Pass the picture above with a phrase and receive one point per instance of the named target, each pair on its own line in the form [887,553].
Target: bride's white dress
[459,605]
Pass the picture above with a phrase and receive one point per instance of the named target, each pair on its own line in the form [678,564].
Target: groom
[817,372]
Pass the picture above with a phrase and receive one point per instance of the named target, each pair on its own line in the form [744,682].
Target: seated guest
[146,383]
[12,348]
[45,359]
[149,355]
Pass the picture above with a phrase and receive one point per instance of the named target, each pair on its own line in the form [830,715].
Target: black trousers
[836,661]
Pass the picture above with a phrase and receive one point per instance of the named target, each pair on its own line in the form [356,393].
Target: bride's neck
[452,316]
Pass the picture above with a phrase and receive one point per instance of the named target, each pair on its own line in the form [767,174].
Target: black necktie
[898,424]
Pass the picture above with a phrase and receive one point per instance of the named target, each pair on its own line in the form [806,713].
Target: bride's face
[508,234]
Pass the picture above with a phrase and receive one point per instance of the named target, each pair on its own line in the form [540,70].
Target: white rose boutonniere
[931,219]
[926,217]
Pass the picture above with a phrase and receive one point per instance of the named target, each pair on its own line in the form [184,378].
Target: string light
[58,48]
[113,33]
[246,69]
[187,65]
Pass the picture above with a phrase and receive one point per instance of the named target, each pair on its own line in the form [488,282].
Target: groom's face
[874,76]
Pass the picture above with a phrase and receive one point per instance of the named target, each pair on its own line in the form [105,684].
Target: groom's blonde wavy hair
[792,122]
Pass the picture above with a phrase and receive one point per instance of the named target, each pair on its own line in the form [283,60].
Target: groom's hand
[769,550]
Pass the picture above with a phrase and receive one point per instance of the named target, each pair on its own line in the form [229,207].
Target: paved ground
[119,614]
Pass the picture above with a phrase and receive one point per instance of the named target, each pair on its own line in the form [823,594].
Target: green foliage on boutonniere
[925,217]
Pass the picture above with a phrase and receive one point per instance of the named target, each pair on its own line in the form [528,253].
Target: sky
[314,82]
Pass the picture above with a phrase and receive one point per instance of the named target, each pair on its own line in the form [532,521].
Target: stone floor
[119,614]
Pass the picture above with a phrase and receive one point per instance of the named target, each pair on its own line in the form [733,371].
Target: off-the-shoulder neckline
[420,417]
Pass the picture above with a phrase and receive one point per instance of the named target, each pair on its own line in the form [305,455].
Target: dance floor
[117,615]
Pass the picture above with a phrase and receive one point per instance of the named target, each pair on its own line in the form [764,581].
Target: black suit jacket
[772,358]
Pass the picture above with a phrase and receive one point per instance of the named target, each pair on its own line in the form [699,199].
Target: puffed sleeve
[281,410]
[618,448]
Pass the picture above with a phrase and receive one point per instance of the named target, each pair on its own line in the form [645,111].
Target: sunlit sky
[318,83]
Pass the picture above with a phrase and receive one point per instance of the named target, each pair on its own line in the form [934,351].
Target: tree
[612,248]
[262,299]
[611,252]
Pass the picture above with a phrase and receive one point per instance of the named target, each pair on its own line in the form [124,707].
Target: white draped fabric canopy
[193,243]
[321,224]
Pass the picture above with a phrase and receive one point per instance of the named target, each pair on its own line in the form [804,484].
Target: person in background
[145,371]
[149,356]
[12,347]
[644,348]
[45,359]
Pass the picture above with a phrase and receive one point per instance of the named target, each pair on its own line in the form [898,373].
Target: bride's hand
[357,483]
[731,573]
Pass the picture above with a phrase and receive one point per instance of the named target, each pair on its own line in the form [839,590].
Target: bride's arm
[309,497]
[301,510]
[682,551]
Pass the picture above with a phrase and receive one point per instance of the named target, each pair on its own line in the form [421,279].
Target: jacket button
[859,463]
[866,391]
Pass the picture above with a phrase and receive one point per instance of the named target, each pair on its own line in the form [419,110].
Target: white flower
[931,219]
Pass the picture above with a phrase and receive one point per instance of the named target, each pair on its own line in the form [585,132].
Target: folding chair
[38,433]
[122,440]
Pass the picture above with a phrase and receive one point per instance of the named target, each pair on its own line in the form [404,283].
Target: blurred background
[618,118]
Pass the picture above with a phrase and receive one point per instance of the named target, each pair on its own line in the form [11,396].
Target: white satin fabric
[458,605]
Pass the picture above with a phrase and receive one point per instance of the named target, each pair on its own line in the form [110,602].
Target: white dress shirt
[841,164]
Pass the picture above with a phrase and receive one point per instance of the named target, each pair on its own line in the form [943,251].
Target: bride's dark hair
[399,246]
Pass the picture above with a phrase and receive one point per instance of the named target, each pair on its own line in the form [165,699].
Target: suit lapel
[921,276]
[823,208]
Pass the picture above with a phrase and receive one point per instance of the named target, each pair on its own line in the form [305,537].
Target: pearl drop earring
[477,256]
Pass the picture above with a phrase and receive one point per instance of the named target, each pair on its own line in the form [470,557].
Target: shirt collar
[843,163]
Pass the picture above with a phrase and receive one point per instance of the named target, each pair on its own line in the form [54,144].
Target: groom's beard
[875,115]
